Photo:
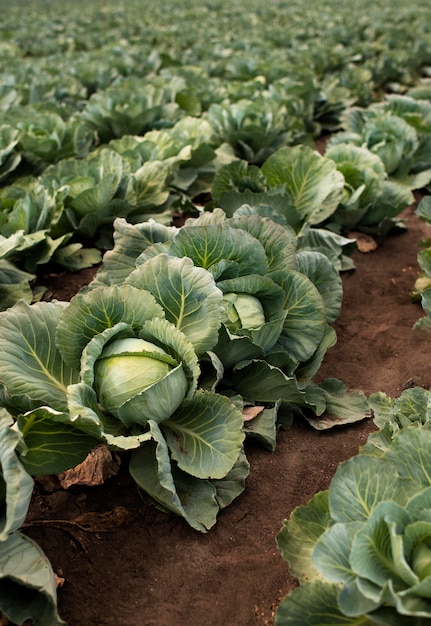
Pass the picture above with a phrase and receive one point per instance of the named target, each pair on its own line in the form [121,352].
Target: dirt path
[154,570]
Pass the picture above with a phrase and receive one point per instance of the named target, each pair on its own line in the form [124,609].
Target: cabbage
[362,549]
[243,311]
[109,368]
[127,367]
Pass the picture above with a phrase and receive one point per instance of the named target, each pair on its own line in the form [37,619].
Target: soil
[125,563]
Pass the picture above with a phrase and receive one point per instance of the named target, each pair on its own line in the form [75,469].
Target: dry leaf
[250,412]
[365,242]
[59,581]
[99,465]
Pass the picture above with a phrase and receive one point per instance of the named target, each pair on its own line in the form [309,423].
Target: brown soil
[149,568]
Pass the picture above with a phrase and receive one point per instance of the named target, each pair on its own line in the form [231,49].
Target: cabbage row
[115,115]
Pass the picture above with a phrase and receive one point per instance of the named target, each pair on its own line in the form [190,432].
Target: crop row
[188,340]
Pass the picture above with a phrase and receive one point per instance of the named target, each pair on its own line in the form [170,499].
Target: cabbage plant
[101,187]
[370,202]
[45,137]
[184,147]
[109,367]
[296,182]
[255,129]
[398,131]
[361,549]
[274,321]
[131,106]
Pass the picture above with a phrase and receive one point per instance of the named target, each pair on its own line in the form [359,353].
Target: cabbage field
[215,279]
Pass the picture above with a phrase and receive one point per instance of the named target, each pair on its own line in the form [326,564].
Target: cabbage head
[243,311]
[135,364]
[127,368]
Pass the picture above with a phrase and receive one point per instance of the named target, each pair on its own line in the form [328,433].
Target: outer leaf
[359,484]
[205,435]
[424,260]
[31,365]
[263,427]
[377,551]
[14,285]
[150,467]
[9,157]
[261,382]
[410,453]
[331,555]
[233,484]
[188,295]
[307,370]
[393,199]
[426,302]
[16,485]
[315,604]
[27,588]
[209,245]
[359,596]
[233,349]
[381,404]
[217,216]
[423,210]
[326,278]
[305,321]
[9,244]
[89,314]
[419,507]
[52,445]
[334,246]
[11,293]
[149,184]
[387,616]
[212,371]
[130,240]
[278,246]
[343,406]
[198,498]
[86,414]
[299,535]
[74,257]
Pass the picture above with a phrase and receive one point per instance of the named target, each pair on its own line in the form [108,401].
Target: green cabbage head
[128,367]
[243,311]
[135,364]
